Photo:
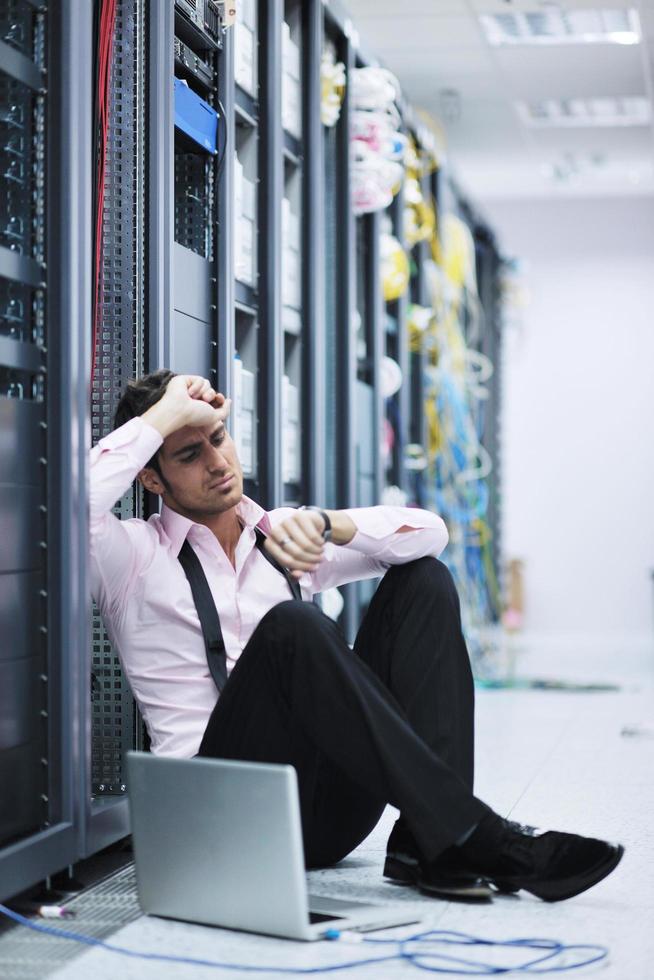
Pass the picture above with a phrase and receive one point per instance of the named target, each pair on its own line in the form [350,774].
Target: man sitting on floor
[209,607]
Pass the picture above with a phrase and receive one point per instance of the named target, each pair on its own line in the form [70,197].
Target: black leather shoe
[551,865]
[445,877]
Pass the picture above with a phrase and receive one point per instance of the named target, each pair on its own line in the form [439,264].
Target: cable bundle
[378,145]
[458,255]
[104,53]
[395,271]
[455,395]
[333,80]
[419,215]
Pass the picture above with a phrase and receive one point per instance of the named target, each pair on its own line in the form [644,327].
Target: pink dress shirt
[145,598]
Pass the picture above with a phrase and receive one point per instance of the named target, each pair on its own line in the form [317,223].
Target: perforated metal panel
[99,911]
[120,356]
[194,202]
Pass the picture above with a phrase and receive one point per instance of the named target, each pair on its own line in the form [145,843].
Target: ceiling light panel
[551,25]
[597,112]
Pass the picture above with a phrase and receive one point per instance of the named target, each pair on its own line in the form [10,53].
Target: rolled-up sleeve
[385,536]
[379,535]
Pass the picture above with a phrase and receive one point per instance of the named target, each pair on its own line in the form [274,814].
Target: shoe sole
[402,874]
[558,891]
[474,893]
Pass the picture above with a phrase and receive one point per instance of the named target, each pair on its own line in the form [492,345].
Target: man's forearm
[343,527]
[163,416]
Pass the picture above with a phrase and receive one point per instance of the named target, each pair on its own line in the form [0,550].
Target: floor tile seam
[564,733]
[608,735]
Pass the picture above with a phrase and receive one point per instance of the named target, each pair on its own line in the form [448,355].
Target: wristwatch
[327,531]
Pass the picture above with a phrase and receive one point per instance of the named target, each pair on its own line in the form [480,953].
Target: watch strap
[327,531]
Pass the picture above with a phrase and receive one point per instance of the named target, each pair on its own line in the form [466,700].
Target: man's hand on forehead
[188,400]
[200,388]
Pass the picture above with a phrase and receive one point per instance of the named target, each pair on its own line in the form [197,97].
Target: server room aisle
[413,243]
[558,757]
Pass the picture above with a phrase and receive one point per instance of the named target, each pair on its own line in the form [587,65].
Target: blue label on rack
[195,117]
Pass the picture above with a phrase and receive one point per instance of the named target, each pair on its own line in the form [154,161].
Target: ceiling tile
[533,73]
[404,12]
[520,6]
[385,34]
[438,44]
[620,144]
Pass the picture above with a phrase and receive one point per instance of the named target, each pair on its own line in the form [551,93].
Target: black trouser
[391,723]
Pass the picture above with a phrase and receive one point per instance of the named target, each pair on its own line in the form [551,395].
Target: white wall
[579,416]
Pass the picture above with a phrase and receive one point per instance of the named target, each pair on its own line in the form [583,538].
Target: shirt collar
[177,527]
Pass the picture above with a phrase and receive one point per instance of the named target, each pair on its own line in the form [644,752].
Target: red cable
[102,74]
[101,46]
[105,49]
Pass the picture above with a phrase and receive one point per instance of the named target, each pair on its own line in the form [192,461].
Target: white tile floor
[554,759]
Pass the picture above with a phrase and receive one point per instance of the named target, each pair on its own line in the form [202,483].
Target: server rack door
[44,302]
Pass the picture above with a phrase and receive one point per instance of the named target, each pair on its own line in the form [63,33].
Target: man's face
[201,470]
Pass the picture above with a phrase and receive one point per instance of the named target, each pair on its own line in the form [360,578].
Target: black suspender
[206,607]
[293,584]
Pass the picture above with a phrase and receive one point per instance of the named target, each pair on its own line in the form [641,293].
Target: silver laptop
[220,843]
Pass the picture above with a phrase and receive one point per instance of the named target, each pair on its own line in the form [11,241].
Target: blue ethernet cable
[419,951]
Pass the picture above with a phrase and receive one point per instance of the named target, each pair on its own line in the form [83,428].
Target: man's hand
[297,542]
[188,400]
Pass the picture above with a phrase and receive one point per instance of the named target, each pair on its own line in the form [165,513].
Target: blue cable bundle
[459,488]
[419,950]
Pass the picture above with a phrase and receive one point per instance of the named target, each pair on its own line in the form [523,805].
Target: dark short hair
[141,394]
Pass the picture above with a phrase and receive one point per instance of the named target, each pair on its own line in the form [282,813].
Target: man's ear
[150,480]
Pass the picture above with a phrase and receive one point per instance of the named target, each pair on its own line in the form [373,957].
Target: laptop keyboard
[315,917]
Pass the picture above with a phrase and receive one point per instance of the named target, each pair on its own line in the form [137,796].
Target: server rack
[384,331]
[25,410]
[45,298]
[475,316]
[196,43]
